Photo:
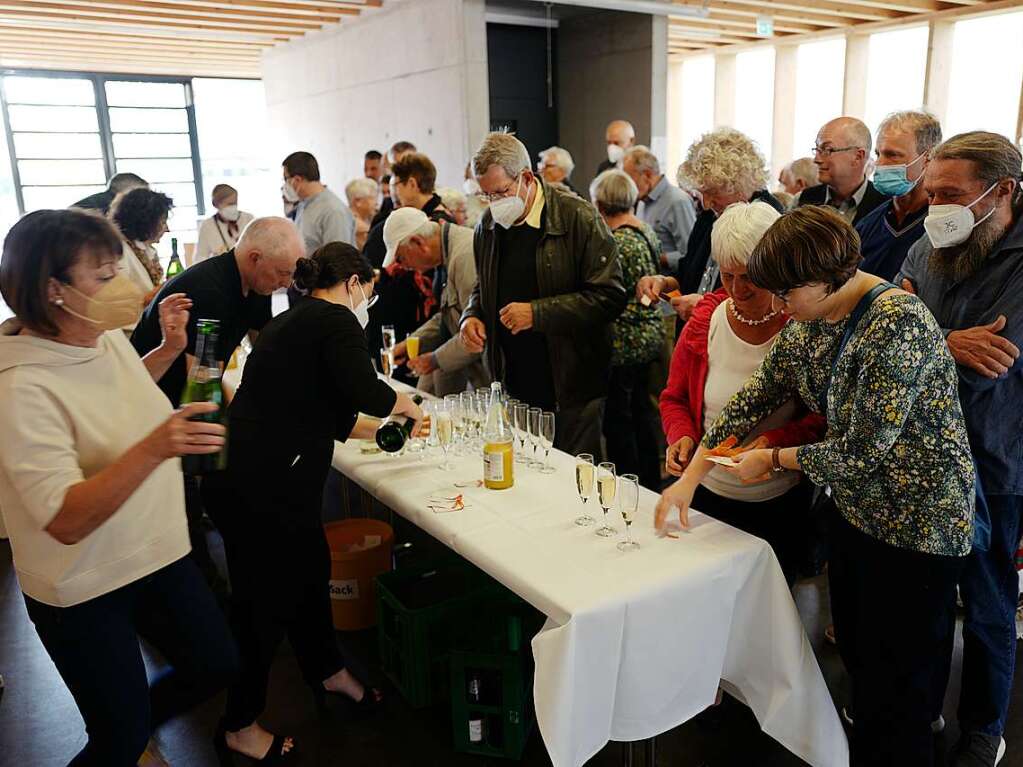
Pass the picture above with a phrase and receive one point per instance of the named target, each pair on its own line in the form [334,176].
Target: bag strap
[854,320]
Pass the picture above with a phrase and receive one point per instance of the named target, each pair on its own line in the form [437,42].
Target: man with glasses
[841,154]
[549,285]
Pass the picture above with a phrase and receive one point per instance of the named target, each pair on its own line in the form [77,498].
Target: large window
[69,133]
[897,65]
[987,68]
[697,86]
[754,96]
[820,78]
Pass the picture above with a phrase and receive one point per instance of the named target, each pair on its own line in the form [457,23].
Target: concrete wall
[415,71]
[610,65]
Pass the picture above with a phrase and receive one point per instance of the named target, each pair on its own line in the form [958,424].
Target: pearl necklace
[752,323]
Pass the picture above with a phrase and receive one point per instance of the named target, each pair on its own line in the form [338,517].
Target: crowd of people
[850,340]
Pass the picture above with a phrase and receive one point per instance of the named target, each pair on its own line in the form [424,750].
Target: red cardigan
[682,398]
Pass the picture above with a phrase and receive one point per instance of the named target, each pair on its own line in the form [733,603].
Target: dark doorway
[518,61]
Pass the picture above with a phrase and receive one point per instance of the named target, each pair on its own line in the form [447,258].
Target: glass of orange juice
[412,347]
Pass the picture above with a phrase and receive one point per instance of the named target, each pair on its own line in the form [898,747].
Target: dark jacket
[581,289]
[100,201]
[818,195]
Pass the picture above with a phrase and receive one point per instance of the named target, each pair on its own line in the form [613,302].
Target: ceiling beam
[283,8]
[68,35]
[129,48]
[121,20]
[740,8]
[807,8]
[742,22]
[89,11]
[190,10]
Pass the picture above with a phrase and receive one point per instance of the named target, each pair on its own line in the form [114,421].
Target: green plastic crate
[506,710]
[419,611]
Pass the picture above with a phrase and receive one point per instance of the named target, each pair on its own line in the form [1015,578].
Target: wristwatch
[776,460]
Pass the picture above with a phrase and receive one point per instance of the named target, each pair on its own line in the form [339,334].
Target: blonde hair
[738,230]
[725,161]
[501,149]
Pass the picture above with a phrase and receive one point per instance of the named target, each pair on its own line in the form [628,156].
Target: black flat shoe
[275,755]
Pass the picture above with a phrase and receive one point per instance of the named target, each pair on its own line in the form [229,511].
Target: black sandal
[372,698]
[275,755]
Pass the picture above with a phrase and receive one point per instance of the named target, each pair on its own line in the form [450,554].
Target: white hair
[360,188]
[613,192]
[738,230]
[272,236]
[643,159]
[804,168]
[502,149]
[450,197]
[561,158]
[426,231]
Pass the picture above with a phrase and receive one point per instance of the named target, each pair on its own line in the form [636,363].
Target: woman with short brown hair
[872,359]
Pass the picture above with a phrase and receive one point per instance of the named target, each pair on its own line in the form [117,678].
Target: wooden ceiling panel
[180,37]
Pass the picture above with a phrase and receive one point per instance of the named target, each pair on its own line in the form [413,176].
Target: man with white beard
[969,272]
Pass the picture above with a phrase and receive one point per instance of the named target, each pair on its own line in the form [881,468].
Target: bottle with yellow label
[498,463]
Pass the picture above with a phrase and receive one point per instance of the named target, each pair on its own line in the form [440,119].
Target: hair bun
[307,272]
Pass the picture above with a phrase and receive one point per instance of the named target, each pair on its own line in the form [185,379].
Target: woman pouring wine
[306,380]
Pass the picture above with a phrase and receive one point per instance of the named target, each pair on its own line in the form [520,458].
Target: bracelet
[776,460]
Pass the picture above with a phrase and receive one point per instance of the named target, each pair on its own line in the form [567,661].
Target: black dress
[305,382]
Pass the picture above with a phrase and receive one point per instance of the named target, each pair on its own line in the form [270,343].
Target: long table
[635,643]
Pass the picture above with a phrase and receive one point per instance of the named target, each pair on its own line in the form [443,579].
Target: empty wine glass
[454,406]
[628,502]
[521,425]
[443,426]
[534,437]
[547,441]
[584,485]
[430,411]
[607,487]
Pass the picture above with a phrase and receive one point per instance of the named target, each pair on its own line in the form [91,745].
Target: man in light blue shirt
[667,209]
[321,216]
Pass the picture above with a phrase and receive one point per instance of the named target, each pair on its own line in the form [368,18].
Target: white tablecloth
[635,643]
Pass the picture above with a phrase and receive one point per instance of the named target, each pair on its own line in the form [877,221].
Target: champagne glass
[521,422]
[467,404]
[584,485]
[444,428]
[534,436]
[387,362]
[430,410]
[387,333]
[547,441]
[628,502]
[607,487]
[454,407]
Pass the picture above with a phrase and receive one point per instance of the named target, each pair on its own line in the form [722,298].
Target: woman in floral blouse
[637,338]
[895,455]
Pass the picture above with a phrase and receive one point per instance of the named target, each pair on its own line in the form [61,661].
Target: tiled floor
[40,726]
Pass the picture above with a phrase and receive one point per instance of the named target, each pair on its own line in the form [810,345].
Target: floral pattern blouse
[895,453]
[638,333]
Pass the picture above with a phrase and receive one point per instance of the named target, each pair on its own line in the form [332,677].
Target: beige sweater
[66,413]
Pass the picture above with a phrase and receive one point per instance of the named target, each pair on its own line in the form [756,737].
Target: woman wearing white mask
[220,232]
[90,485]
[306,380]
[141,215]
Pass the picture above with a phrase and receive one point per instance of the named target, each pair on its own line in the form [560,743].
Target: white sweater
[66,413]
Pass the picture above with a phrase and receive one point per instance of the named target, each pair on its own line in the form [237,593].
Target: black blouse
[310,375]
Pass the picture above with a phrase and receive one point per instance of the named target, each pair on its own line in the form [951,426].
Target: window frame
[106,137]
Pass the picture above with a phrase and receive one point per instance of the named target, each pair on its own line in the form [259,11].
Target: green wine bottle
[395,430]
[174,268]
[203,385]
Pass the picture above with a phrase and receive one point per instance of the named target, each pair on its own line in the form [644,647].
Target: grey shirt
[323,218]
[992,407]
[671,214]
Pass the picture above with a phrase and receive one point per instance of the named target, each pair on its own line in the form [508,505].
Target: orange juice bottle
[498,459]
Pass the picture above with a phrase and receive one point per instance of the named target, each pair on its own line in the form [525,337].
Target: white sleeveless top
[731,361]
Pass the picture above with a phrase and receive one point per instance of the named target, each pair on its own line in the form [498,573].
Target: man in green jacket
[548,287]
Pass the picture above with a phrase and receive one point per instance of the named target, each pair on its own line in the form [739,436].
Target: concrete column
[854,93]
[724,89]
[939,68]
[784,106]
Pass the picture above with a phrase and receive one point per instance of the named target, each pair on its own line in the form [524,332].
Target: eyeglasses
[507,192]
[827,151]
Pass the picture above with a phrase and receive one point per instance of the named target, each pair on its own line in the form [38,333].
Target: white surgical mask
[471,186]
[230,213]
[361,311]
[615,153]
[289,192]
[508,210]
[950,225]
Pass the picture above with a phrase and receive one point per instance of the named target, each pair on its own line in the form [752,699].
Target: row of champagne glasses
[602,478]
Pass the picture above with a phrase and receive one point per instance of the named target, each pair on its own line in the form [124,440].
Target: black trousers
[629,425]
[778,521]
[577,429]
[95,647]
[279,564]
[893,610]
